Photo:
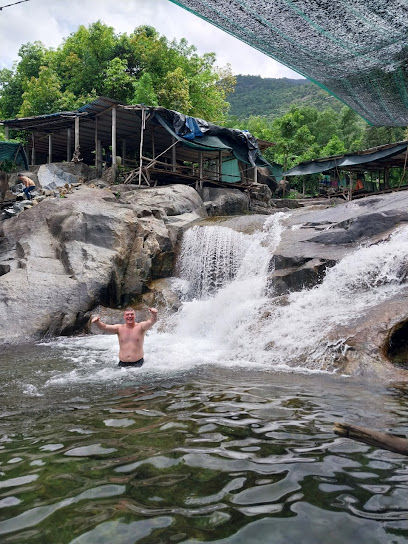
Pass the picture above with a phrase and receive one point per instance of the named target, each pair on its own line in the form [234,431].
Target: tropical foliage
[95,61]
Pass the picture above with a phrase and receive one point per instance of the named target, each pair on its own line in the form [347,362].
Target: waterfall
[228,318]
[210,258]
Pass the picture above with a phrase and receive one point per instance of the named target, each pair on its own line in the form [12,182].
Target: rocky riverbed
[89,244]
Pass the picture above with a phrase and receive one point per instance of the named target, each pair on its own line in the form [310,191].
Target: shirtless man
[130,335]
[29,185]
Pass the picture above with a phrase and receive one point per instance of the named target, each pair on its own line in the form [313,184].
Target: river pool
[200,452]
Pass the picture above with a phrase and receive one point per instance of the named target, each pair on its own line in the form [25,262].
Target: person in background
[359,182]
[130,335]
[28,183]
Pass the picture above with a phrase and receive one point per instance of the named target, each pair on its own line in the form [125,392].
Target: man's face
[129,316]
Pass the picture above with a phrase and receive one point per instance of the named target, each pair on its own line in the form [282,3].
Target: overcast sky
[49,21]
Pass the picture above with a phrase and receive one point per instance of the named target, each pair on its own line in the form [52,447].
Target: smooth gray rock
[63,257]
[221,202]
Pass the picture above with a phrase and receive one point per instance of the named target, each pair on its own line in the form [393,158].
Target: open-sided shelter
[376,161]
[154,143]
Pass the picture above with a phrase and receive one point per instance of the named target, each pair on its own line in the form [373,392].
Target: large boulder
[221,202]
[54,175]
[63,257]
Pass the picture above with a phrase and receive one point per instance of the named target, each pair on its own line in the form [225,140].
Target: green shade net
[13,154]
[355,49]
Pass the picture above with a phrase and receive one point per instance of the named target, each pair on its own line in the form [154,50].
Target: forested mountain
[272,98]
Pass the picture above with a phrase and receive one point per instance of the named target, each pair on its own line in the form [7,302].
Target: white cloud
[50,21]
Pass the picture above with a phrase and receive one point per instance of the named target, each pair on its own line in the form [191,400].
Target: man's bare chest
[134,334]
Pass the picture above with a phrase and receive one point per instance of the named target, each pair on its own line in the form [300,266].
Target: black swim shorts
[137,364]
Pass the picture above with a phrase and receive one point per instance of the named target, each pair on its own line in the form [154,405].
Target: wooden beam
[6,132]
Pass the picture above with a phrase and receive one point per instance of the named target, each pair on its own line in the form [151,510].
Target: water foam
[234,323]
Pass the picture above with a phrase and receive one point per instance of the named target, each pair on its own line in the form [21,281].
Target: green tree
[95,61]
[43,94]
[374,136]
[118,83]
[334,146]
[144,91]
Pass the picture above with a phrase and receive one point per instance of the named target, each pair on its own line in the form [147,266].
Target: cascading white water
[235,323]
[210,258]
[239,324]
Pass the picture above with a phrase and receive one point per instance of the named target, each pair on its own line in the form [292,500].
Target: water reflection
[207,455]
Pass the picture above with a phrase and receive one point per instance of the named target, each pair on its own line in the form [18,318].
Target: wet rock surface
[64,256]
[373,344]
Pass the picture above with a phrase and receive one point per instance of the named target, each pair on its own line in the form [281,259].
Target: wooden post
[6,132]
[173,156]
[153,145]
[99,155]
[96,144]
[33,149]
[49,148]
[76,133]
[69,144]
[200,168]
[142,128]
[219,165]
[98,165]
[114,163]
[386,178]
[255,175]
[123,151]
[350,195]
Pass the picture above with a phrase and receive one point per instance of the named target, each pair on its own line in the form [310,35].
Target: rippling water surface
[93,454]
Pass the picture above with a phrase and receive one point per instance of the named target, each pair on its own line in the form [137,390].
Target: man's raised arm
[112,329]
[146,325]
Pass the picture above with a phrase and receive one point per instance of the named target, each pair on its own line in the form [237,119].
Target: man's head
[129,315]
